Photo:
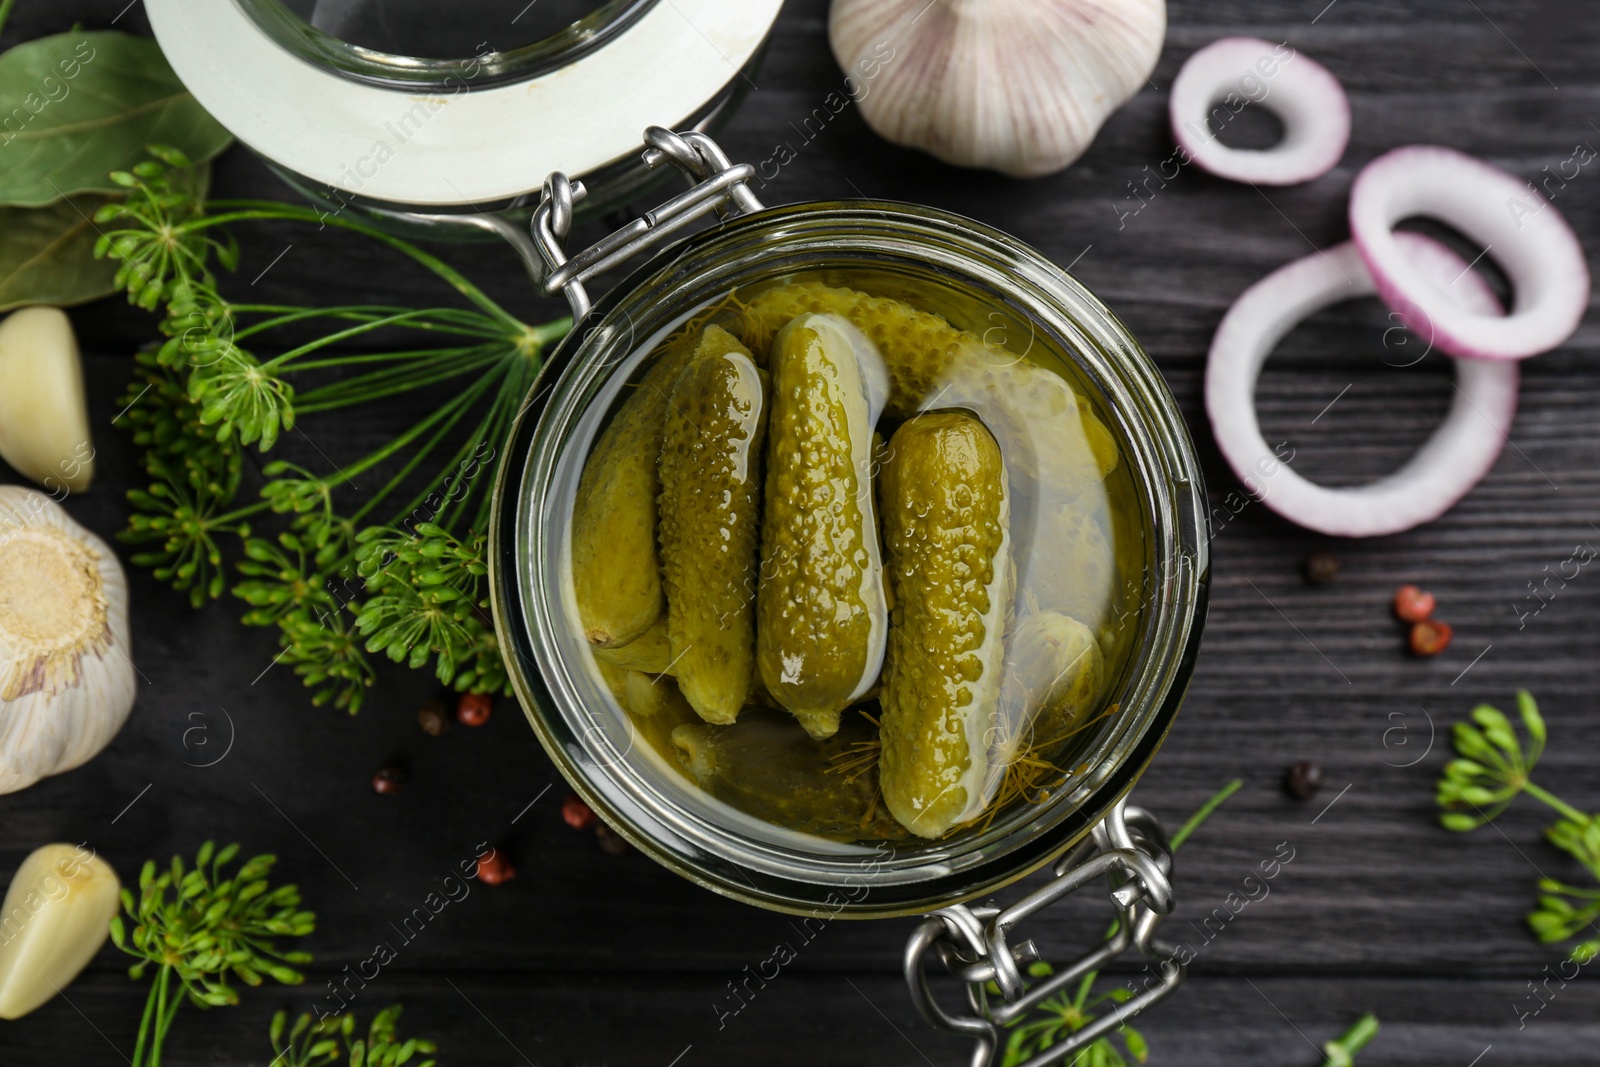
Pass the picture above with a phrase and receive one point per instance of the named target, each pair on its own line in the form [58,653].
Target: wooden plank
[804,1017]
[587,957]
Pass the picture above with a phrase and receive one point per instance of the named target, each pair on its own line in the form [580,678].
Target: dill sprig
[416,541]
[1494,766]
[1341,1051]
[323,1042]
[200,927]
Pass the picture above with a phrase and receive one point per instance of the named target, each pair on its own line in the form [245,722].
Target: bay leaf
[76,106]
[47,254]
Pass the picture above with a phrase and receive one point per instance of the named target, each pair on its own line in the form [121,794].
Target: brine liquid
[1075,564]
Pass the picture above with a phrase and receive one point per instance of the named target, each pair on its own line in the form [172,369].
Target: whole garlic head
[1018,86]
[66,679]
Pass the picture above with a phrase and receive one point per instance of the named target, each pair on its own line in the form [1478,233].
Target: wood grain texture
[597,1018]
[844,1019]
[586,958]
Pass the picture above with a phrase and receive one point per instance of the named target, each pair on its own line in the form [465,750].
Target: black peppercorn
[390,779]
[1302,780]
[611,842]
[434,718]
[1321,568]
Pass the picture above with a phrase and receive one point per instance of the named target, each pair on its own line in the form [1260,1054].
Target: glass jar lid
[486,108]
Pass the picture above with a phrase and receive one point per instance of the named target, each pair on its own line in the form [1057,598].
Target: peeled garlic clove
[1054,673]
[1018,86]
[44,418]
[66,679]
[57,915]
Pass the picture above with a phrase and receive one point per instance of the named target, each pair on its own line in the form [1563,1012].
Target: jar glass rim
[490,66]
[529,528]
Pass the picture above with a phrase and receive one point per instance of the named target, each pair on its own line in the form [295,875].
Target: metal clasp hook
[716,185]
[1128,848]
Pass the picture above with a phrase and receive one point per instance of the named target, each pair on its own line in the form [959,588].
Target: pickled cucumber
[1054,675]
[821,617]
[945,517]
[649,652]
[768,768]
[616,571]
[710,458]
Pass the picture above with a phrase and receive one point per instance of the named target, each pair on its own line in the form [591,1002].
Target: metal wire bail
[716,185]
[1129,848]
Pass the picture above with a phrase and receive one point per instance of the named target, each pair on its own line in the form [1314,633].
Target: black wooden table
[589,958]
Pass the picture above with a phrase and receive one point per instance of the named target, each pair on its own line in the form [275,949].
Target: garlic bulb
[44,419]
[57,914]
[66,682]
[1018,86]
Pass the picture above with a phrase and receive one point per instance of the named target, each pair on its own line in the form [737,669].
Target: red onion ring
[1526,235]
[1458,454]
[1298,89]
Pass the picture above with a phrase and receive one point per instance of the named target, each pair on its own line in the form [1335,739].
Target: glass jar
[441,119]
[985,281]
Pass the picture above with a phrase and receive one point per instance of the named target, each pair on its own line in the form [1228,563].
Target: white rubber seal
[1520,229]
[1229,74]
[1458,454]
[478,146]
